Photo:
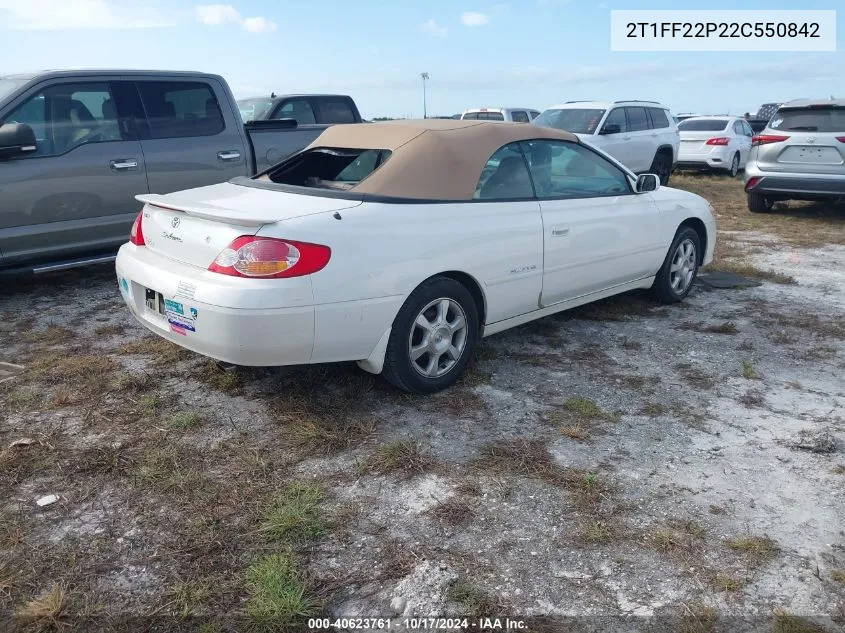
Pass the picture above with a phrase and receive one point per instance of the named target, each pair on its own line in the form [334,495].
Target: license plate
[809,154]
[154,301]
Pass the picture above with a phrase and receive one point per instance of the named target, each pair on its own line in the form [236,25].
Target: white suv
[514,115]
[642,135]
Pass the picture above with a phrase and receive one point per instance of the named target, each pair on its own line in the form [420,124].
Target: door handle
[654,135]
[123,164]
[229,155]
[626,138]
[558,231]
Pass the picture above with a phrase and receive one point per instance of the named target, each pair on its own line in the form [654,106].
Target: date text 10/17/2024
[417,624]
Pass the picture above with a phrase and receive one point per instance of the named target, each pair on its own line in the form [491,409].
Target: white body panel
[380,252]
[695,150]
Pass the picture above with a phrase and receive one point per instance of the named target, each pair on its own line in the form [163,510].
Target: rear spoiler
[201,210]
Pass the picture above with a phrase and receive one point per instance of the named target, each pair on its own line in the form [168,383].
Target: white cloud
[434,28]
[220,14]
[55,15]
[474,18]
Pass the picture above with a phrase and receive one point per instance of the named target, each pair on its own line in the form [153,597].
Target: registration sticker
[173,306]
[124,285]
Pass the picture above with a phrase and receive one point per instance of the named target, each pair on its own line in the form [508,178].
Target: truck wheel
[758,203]
[662,167]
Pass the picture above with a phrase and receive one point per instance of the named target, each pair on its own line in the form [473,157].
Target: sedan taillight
[841,139]
[765,139]
[136,235]
[719,140]
[269,258]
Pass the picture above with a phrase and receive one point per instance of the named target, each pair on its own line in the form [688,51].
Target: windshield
[9,85]
[575,120]
[703,125]
[254,109]
[827,119]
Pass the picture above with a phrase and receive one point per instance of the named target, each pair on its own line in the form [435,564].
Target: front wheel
[433,337]
[674,280]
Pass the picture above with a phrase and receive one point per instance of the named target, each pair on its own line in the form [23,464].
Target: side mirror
[611,128]
[647,182]
[16,139]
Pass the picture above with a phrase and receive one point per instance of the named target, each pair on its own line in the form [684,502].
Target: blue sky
[523,52]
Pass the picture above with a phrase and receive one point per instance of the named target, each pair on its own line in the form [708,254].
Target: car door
[76,193]
[188,139]
[642,143]
[743,134]
[597,233]
[617,144]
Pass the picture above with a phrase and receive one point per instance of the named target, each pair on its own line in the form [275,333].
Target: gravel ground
[623,460]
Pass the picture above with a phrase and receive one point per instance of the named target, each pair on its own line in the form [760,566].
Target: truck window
[329,167]
[299,109]
[336,111]
[518,116]
[65,116]
[637,121]
[658,118]
[177,109]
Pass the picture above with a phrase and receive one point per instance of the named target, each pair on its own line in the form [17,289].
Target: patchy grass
[838,575]
[52,335]
[575,432]
[695,376]
[227,381]
[839,469]
[725,327]
[294,516]
[757,548]
[22,399]
[112,329]
[474,602]
[78,371]
[46,611]
[167,469]
[162,351]
[187,597]
[325,435]
[745,268]
[619,308]
[185,420]
[453,511]
[727,582]
[784,622]
[403,457]
[698,618]
[653,409]
[748,371]
[278,597]
[597,532]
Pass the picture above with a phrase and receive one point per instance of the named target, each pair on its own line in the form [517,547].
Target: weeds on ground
[293,516]
[185,420]
[46,611]
[748,371]
[727,582]
[453,511]
[404,457]
[474,602]
[784,622]
[594,532]
[277,594]
[726,327]
[757,548]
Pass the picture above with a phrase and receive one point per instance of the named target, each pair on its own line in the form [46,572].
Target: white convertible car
[398,245]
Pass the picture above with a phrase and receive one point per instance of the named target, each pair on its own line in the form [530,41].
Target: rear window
[575,120]
[329,167]
[177,109]
[519,116]
[703,125]
[254,109]
[336,111]
[810,120]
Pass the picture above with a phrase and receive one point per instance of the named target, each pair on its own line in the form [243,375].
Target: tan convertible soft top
[435,159]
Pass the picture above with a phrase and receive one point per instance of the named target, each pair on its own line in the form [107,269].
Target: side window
[518,116]
[299,109]
[177,109]
[505,176]
[534,114]
[637,121]
[365,164]
[658,118]
[617,117]
[336,111]
[471,116]
[561,169]
[738,129]
[65,116]
[749,131]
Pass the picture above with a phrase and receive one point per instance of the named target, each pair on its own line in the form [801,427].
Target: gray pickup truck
[76,147]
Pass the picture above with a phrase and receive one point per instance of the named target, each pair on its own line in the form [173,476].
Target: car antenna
[337,215]
[272,95]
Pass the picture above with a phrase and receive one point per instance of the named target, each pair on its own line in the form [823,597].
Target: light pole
[424,79]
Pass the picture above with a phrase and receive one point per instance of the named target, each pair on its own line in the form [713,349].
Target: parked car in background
[719,143]
[305,109]
[683,116]
[759,121]
[800,155]
[77,146]
[319,259]
[514,115]
[642,135]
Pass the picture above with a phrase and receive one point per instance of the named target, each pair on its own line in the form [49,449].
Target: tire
[758,203]
[733,170]
[662,167]
[441,302]
[672,286]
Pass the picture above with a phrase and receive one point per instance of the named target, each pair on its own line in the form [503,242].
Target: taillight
[841,139]
[719,140]
[765,139]
[136,235]
[269,258]
[752,182]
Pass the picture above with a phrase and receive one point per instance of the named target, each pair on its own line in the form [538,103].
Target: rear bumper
[717,158]
[224,329]
[791,185]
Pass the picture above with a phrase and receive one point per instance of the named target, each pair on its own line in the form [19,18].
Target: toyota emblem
[175,222]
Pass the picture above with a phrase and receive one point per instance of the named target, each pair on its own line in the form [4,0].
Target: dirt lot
[619,461]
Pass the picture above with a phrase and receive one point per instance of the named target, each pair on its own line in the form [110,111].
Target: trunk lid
[193,226]
[697,141]
[812,146]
